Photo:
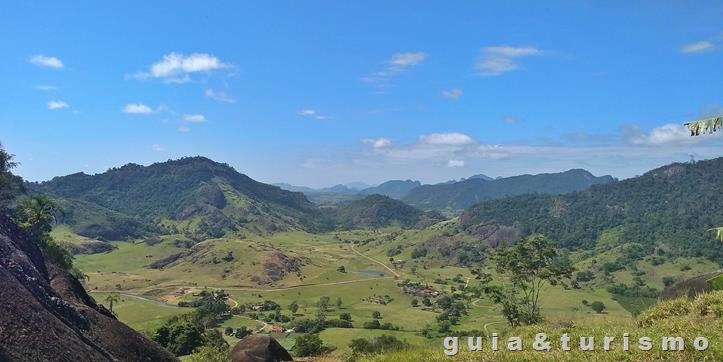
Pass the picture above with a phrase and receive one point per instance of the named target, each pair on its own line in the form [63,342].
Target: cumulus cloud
[219,96]
[55,105]
[455,163]
[378,143]
[158,148]
[194,118]
[453,93]
[497,60]
[667,134]
[46,62]
[451,139]
[137,108]
[176,67]
[697,47]
[313,114]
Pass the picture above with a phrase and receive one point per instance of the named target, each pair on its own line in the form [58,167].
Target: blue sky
[320,92]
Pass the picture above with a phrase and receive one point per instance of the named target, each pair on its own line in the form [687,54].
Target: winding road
[375,261]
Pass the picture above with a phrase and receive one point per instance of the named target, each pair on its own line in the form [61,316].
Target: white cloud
[512,119]
[184,129]
[378,143]
[497,60]
[399,63]
[194,118]
[46,88]
[219,96]
[314,114]
[54,105]
[455,163]
[48,62]
[697,47]
[137,108]
[667,134]
[158,148]
[176,67]
[407,59]
[450,139]
[453,93]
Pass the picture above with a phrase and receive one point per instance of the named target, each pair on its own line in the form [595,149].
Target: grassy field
[368,274]
[140,314]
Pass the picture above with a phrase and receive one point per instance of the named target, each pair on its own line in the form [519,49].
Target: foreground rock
[259,348]
[46,315]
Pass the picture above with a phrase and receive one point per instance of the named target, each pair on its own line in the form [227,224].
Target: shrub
[597,306]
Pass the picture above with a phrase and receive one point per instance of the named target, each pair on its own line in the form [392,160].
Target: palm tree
[38,214]
[112,298]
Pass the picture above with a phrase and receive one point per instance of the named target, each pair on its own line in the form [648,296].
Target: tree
[242,332]
[37,215]
[524,269]
[228,331]
[211,306]
[307,345]
[180,335]
[112,298]
[444,327]
[373,324]
[339,302]
[597,306]
[10,184]
[323,303]
[376,314]
[415,303]
[345,316]
[341,269]
[294,307]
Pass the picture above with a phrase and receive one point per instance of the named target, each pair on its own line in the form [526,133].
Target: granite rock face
[46,314]
[259,348]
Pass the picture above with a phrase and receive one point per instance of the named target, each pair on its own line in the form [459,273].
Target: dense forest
[668,209]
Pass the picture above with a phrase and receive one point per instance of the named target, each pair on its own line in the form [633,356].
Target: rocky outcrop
[46,314]
[259,348]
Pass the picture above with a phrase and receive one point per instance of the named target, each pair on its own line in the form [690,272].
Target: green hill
[667,210]
[395,188]
[463,194]
[377,211]
[194,195]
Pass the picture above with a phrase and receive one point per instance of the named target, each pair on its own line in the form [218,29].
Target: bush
[307,345]
[597,306]
[374,324]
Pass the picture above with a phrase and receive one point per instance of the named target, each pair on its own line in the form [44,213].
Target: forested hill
[376,211]
[192,188]
[668,209]
[463,194]
[394,188]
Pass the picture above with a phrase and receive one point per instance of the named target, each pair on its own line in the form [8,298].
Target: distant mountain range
[454,196]
[463,194]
